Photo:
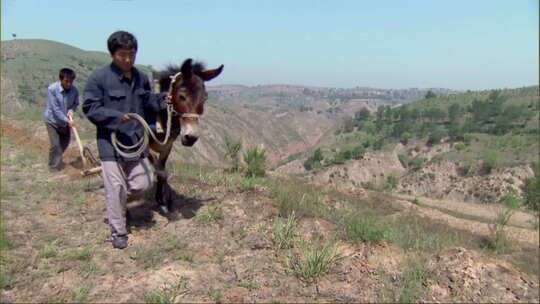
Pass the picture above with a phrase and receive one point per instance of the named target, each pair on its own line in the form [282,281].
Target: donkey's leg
[165,188]
[160,177]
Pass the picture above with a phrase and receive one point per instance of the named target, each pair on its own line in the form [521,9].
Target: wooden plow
[89,163]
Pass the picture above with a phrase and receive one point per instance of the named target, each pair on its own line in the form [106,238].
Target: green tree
[362,115]
[490,160]
[404,138]
[532,189]
[315,160]
[430,94]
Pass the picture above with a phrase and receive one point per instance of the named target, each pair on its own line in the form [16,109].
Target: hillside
[476,146]
[30,65]
[236,239]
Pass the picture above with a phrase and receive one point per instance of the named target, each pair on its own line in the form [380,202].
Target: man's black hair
[121,40]
[67,73]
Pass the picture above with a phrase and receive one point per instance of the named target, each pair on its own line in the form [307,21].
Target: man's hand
[70,119]
[125,118]
[168,99]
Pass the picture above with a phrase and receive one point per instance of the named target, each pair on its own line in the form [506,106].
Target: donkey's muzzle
[189,140]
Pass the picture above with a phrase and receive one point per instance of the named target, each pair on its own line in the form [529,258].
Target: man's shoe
[119,241]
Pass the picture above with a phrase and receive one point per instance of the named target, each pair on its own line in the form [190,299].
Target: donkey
[188,95]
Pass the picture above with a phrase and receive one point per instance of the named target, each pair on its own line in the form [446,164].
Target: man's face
[124,59]
[66,83]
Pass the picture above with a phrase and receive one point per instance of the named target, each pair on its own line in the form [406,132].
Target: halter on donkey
[186,87]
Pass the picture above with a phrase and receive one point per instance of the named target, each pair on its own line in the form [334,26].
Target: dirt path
[490,212]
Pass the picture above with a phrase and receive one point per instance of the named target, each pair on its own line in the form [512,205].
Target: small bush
[490,160]
[232,149]
[256,162]
[459,146]
[498,240]
[392,181]
[363,229]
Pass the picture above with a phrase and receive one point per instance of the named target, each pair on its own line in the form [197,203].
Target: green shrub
[232,149]
[363,229]
[314,161]
[459,146]
[256,162]
[531,189]
[490,160]
[392,181]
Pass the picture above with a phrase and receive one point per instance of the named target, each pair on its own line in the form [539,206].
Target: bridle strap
[174,79]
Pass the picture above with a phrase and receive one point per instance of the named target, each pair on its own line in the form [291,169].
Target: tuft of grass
[285,232]
[413,279]
[147,257]
[312,261]
[213,214]
[168,292]
[248,284]
[48,251]
[215,295]
[78,254]
[408,287]
[79,296]
[363,228]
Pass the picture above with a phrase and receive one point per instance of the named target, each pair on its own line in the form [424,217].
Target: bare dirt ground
[218,247]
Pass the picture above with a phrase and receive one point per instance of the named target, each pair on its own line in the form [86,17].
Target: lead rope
[142,144]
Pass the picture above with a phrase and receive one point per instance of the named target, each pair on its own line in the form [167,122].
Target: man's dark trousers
[59,140]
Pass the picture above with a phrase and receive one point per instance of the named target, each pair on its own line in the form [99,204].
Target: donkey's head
[188,96]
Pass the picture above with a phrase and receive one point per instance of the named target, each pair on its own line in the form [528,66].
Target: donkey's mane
[164,77]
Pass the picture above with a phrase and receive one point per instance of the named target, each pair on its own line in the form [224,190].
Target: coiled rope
[142,144]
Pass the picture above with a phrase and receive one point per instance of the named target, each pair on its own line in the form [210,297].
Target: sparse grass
[312,261]
[409,286]
[79,296]
[248,284]
[305,201]
[48,251]
[78,254]
[147,257]
[89,268]
[172,245]
[413,278]
[168,292]
[211,215]
[363,228]
[413,232]
[215,295]
[285,232]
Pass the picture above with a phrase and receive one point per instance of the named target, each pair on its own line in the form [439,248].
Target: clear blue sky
[458,44]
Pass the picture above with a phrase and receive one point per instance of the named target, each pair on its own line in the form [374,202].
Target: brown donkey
[188,94]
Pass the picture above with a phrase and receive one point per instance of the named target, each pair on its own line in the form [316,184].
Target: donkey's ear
[211,74]
[186,69]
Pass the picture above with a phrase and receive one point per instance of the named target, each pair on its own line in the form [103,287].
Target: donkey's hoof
[163,210]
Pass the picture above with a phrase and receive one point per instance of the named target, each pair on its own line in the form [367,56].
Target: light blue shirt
[59,103]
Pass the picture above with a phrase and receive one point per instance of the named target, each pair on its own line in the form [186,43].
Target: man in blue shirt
[62,102]
[111,93]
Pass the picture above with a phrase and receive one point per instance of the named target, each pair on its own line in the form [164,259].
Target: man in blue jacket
[111,93]
[62,102]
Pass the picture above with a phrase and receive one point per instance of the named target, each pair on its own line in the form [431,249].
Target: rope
[142,144]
